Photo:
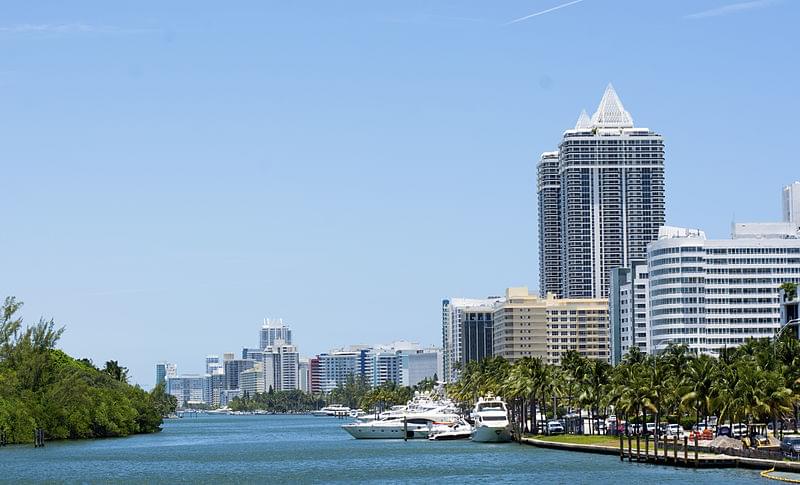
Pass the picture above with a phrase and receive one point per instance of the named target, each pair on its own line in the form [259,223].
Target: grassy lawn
[580,439]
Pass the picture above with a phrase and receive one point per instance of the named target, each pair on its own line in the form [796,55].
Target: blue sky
[173,172]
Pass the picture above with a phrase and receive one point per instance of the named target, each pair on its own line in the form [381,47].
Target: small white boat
[491,424]
[460,430]
[332,410]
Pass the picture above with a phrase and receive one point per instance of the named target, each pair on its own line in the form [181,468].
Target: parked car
[650,428]
[599,427]
[701,426]
[781,427]
[674,430]
[738,430]
[634,428]
[555,427]
[790,445]
[724,430]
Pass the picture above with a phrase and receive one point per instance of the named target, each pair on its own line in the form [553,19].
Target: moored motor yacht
[491,424]
[332,410]
[409,427]
[415,420]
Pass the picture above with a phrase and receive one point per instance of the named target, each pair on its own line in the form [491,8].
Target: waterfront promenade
[672,455]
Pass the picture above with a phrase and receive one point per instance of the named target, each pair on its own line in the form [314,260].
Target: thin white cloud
[67,28]
[731,8]
[552,9]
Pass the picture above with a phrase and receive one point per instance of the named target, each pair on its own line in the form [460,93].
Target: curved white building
[712,294]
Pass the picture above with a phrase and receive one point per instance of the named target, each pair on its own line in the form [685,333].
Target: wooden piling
[405,428]
[38,438]
[621,449]
[685,450]
[646,447]
[638,443]
[696,458]
[630,454]
[675,449]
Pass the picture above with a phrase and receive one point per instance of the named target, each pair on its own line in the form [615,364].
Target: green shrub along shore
[42,387]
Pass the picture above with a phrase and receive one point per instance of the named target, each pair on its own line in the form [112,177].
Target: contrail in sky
[557,7]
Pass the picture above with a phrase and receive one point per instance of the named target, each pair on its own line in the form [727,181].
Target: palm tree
[117,372]
[593,381]
[697,388]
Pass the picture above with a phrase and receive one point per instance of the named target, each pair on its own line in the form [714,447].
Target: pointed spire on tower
[610,113]
[584,123]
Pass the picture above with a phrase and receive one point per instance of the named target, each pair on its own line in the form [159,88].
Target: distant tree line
[42,387]
[293,401]
[354,392]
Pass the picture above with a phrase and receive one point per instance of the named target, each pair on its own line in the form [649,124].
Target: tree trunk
[543,407]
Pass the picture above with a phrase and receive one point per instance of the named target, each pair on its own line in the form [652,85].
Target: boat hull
[491,434]
[450,435]
[385,432]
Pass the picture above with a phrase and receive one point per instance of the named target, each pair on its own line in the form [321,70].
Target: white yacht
[332,410]
[491,424]
[409,426]
[417,419]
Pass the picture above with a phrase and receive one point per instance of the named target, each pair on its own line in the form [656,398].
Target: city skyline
[173,177]
[276,364]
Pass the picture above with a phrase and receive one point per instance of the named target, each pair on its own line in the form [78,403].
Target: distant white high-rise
[336,366]
[600,203]
[418,365]
[628,310]
[251,381]
[304,377]
[281,367]
[188,389]
[791,203]
[272,331]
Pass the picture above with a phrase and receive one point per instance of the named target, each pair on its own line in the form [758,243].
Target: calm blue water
[307,449]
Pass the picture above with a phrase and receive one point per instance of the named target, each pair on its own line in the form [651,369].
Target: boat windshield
[493,418]
[491,406]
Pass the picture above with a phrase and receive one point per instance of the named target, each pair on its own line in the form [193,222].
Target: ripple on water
[307,449]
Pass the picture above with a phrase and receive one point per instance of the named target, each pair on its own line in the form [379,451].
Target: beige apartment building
[526,325]
[520,325]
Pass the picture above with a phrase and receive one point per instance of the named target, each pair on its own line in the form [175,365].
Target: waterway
[307,449]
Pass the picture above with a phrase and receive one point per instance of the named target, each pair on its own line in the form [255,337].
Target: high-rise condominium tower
[607,189]
[273,331]
[791,203]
